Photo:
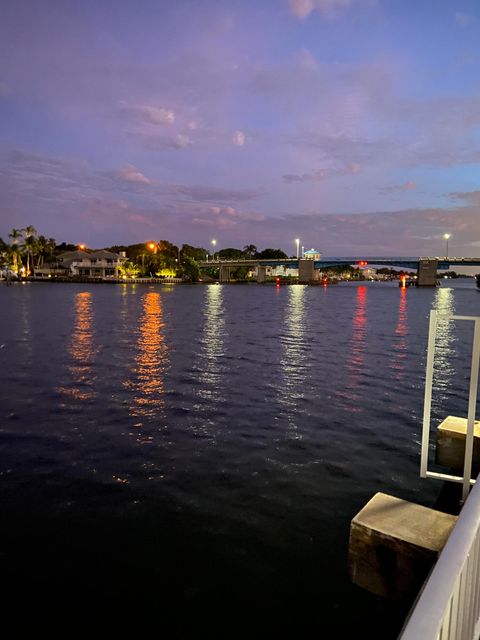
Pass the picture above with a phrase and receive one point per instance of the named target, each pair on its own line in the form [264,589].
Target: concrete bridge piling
[427,272]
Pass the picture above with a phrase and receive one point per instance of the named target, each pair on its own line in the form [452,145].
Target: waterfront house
[86,264]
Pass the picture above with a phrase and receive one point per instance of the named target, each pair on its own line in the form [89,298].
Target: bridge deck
[404,262]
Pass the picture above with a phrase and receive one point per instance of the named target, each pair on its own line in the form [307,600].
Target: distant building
[311,254]
[95,264]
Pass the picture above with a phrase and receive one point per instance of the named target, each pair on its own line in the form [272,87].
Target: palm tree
[29,244]
[15,235]
[15,253]
[15,257]
[44,249]
[50,248]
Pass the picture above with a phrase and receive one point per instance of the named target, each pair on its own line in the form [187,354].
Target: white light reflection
[295,357]
[212,343]
[444,344]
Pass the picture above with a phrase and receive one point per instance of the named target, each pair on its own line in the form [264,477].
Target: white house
[94,264]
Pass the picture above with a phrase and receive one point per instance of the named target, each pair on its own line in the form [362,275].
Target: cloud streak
[322,174]
[148,114]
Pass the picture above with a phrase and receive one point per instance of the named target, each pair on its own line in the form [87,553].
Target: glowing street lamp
[297,240]
[214,242]
[151,246]
[446,236]
[82,247]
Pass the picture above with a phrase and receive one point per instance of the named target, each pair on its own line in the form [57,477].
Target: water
[198,452]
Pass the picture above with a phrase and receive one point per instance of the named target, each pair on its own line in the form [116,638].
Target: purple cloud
[323,174]
[149,114]
[470,197]
[398,188]
[131,174]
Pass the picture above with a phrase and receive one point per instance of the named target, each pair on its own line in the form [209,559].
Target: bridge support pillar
[225,274]
[306,271]
[427,273]
[261,274]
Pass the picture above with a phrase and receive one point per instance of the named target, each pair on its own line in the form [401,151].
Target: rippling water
[201,450]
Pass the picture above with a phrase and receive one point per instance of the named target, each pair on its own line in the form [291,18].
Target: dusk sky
[351,124]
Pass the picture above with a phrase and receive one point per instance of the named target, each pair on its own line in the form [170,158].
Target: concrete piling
[394,543]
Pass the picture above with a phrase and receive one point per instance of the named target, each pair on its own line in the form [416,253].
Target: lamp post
[297,240]
[446,237]
[303,248]
[214,242]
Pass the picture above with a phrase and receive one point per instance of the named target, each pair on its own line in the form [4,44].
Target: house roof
[102,254]
[73,255]
[311,252]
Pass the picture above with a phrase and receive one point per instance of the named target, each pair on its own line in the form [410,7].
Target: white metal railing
[448,608]
[466,479]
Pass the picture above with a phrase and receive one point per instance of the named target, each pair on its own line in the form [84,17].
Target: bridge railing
[448,607]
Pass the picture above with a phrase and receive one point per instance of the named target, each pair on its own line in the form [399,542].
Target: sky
[353,125]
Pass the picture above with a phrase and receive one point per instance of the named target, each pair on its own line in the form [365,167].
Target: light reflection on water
[212,344]
[445,351]
[401,333]
[295,357]
[151,360]
[262,504]
[81,351]
[356,356]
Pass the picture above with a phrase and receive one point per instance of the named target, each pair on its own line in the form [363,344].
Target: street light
[297,240]
[214,242]
[446,237]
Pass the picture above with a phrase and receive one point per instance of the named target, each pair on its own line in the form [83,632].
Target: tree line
[26,250]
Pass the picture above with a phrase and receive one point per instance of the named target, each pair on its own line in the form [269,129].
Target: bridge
[309,270]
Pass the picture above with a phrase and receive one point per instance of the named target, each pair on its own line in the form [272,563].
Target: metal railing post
[472,403]
[427,405]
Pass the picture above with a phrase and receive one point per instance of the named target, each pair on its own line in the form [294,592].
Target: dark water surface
[197,452]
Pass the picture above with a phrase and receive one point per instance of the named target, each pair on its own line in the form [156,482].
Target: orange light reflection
[81,350]
[150,360]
